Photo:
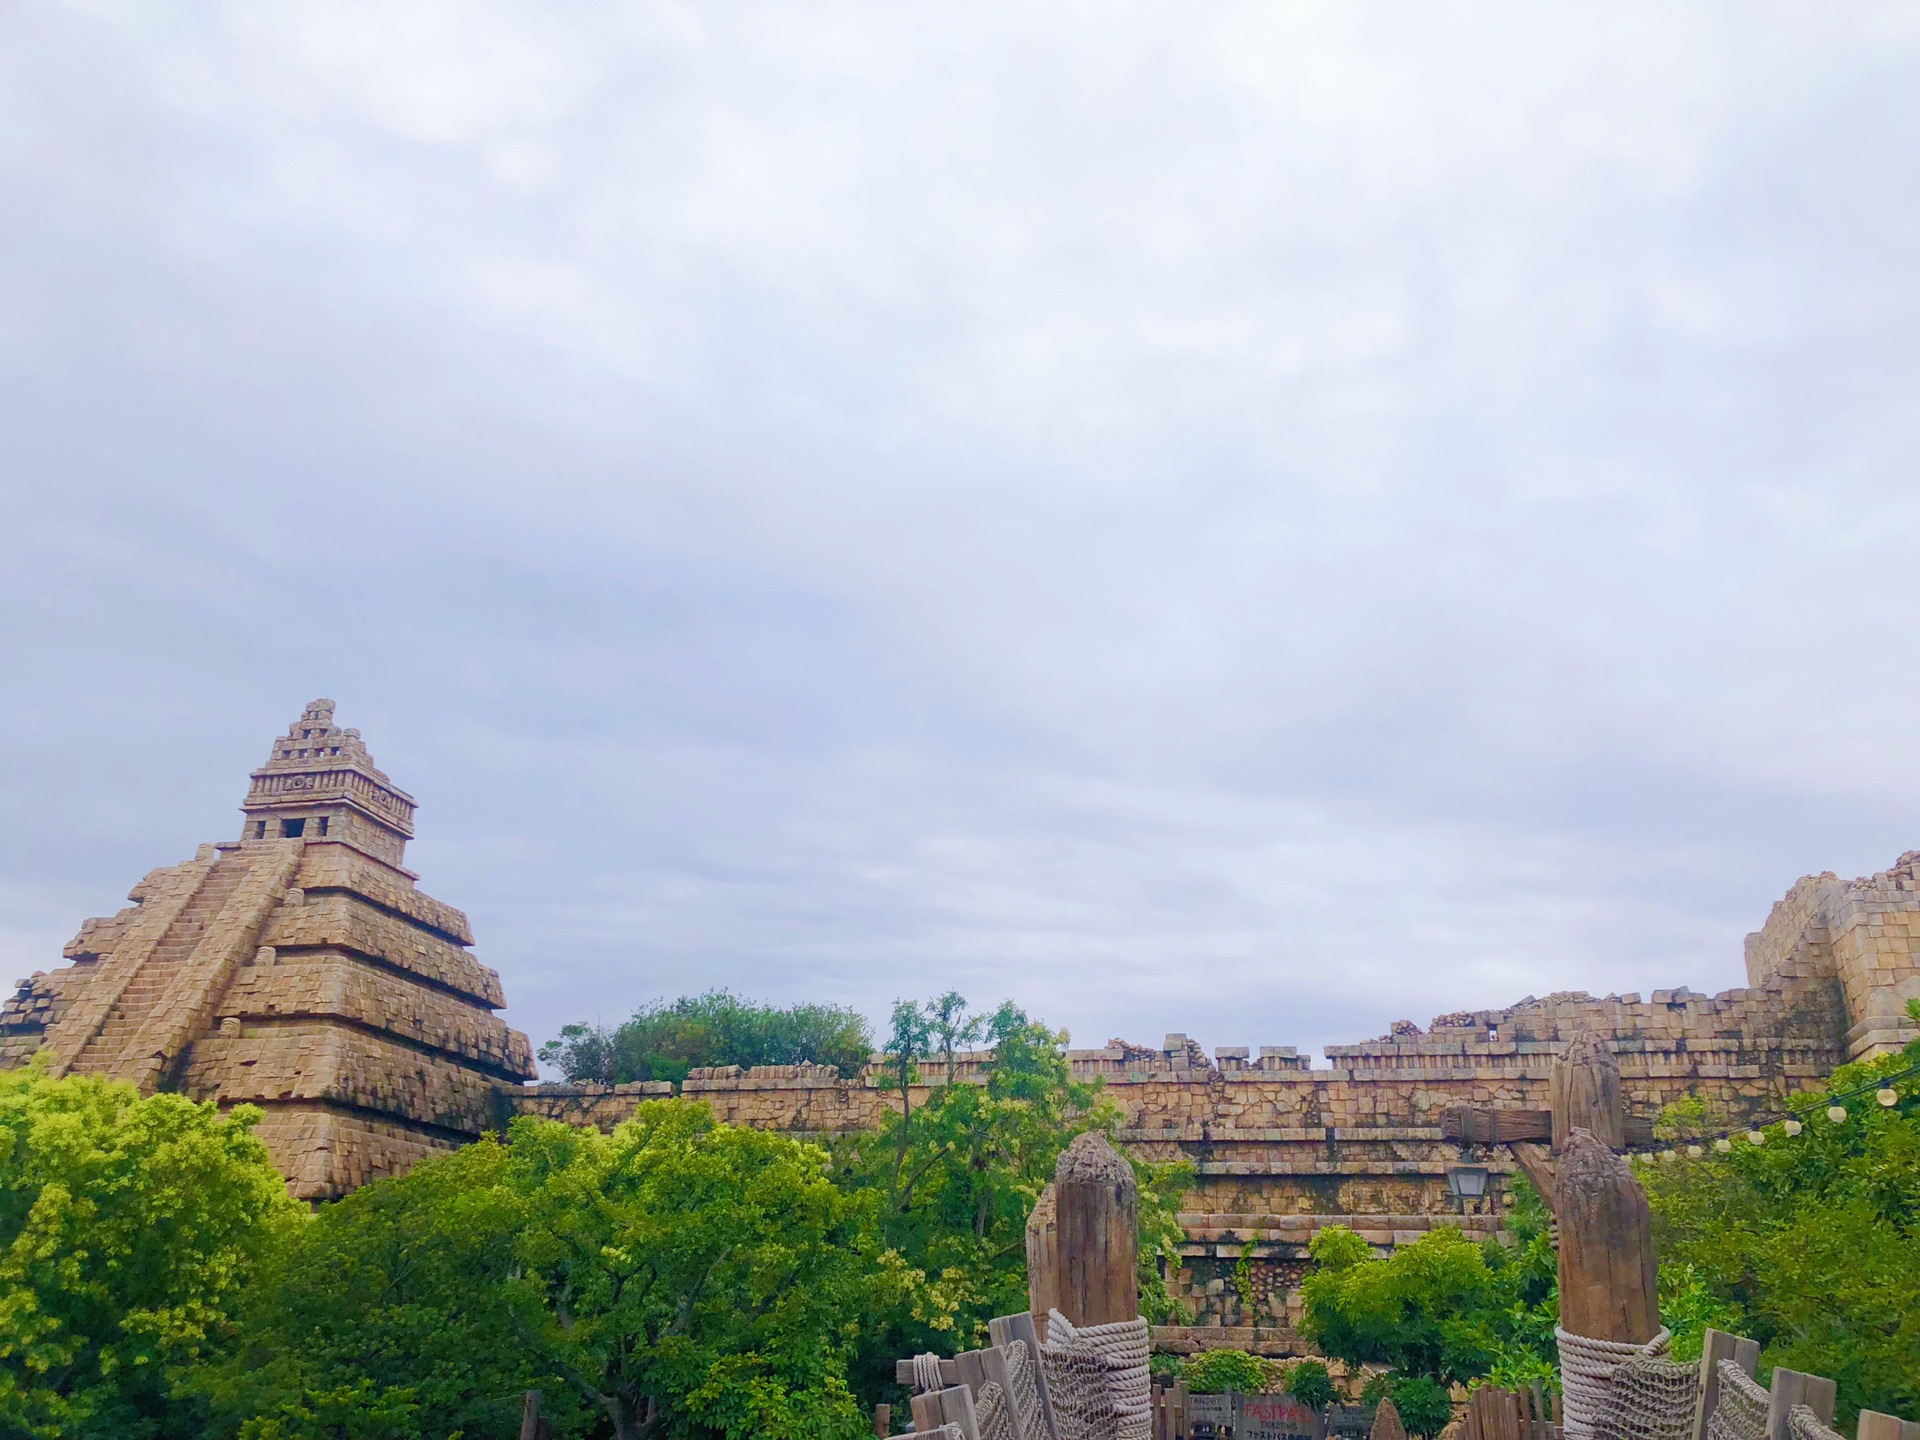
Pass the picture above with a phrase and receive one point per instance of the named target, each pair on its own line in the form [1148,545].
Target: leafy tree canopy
[664,1041]
[1445,1306]
[679,1277]
[1811,1243]
[956,1169]
[128,1227]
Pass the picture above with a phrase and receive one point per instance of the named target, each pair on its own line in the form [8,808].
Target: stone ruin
[298,969]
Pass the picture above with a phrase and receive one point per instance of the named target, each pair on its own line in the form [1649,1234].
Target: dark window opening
[292,829]
[323,824]
[259,829]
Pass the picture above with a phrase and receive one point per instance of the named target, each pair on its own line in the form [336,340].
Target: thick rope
[1026,1393]
[1650,1398]
[1123,1347]
[926,1373]
[993,1409]
[1586,1371]
[1741,1411]
[1808,1426]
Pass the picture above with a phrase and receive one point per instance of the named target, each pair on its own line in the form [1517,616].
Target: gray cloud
[1261,523]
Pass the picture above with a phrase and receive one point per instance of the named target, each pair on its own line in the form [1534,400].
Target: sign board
[1210,1417]
[1251,1417]
[1273,1417]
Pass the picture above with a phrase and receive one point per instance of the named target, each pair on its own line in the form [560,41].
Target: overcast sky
[1254,520]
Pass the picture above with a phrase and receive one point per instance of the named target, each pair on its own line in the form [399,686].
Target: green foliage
[956,1175]
[706,1275]
[664,1041]
[1165,1365]
[1444,1307]
[1311,1384]
[1162,1184]
[1215,1372]
[1243,1281]
[1811,1243]
[1423,1403]
[1689,1307]
[128,1227]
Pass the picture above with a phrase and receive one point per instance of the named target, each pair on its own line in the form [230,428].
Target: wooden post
[1715,1346]
[1098,1219]
[1791,1388]
[1584,1086]
[1877,1425]
[882,1421]
[530,1415]
[952,1406]
[1043,1260]
[1608,1289]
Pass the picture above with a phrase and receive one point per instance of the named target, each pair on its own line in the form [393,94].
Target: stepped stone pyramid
[298,969]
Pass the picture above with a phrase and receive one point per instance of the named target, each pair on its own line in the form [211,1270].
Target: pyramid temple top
[319,782]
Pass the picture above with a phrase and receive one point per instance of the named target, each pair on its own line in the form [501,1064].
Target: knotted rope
[993,1410]
[1026,1393]
[1741,1411]
[1117,1353]
[1586,1372]
[926,1373]
[1808,1426]
[1650,1398]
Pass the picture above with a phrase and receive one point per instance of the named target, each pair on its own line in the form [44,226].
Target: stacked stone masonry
[297,969]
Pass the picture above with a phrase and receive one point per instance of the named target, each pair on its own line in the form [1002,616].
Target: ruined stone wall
[1280,1149]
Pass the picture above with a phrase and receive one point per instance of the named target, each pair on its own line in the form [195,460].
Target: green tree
[1811,1242]
[664,1041]
[1445,1307]
[679,1277]
[128,1228]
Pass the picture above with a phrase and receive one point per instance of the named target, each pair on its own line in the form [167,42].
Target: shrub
[1214,1372]
[1423,1403]
[1310,1384]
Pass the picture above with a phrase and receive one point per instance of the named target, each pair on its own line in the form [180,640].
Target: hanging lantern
[1723,1144]
[1887,1096]
[1793,1127]
[1837,1114]
[1758,1137]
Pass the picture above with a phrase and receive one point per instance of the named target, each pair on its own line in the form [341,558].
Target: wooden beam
[1876,1425]
[1791,1388]
[953,1406]
[949,1372]
[1584,1085]
[982,1367]
[1491,1125]
[1004,1330]
[1043,1259]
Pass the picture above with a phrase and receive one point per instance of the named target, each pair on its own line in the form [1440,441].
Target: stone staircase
[162,967]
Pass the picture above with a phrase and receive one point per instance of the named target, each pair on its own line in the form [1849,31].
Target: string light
[1793,1127]
[1887,1096]
[1695,1152]
[1723,1144]
[1791,1123]
[1837,1114]
[1758,1137]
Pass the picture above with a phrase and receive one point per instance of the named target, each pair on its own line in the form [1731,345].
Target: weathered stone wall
[1281,1150]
